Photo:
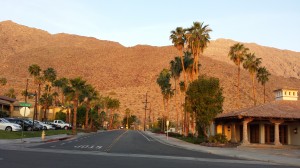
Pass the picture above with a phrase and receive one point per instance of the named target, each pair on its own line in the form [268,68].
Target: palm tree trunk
[264,93]
[87,114]
[253,89]
[238,87]
[183,68]
[176,109]
[74,127]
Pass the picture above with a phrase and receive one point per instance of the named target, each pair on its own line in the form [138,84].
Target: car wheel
[45,128]
[29,129]
[8,129]
[66,127]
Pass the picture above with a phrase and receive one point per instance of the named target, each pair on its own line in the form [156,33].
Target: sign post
[167,129]
[24,106]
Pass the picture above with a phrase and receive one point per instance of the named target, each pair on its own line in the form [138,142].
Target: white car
[45,126]
[8,126]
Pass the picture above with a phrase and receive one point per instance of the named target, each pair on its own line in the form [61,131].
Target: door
[269,133]
[254,133]
[283,131]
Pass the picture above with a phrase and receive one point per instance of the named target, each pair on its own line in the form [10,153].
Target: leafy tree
[131,119]
[11,93]
[252,64]
[204,97]
[60,116]
[237,54]
[263,77]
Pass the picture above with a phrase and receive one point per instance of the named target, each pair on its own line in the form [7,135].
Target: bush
[3,114]
[218,138]
[155,130]
[173,134]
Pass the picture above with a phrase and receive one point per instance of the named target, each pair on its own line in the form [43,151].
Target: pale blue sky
[274,23]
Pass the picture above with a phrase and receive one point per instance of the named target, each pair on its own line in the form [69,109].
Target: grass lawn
[30,134]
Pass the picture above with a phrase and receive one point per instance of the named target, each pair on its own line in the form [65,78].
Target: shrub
[173,134]
[156,130]
[218,138]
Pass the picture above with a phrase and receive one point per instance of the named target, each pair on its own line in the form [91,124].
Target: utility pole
[149,117]
[145,108]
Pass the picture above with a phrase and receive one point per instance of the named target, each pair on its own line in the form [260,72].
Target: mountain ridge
[129,72]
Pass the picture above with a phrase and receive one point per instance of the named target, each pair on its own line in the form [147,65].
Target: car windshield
[4,120]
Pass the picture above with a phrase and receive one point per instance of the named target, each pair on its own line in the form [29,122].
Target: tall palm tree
[178,39]
[237,54]
[77,85]
[163,80]
[49,76]
[263,77]
[176,69]
[252,64]
[61,83]
[11,93]
[198,39]
[89,94]
[3,81]
[113,105]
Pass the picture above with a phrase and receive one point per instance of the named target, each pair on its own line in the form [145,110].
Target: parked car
[7,126]
[52,124]
[37,126]
[25,124]
[62,124]
[45,126]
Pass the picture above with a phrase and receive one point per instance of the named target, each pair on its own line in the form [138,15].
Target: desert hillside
[129,72]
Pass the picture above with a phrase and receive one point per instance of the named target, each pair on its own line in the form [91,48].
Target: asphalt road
[118,148]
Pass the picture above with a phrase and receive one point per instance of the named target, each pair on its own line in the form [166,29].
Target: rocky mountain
[128,73]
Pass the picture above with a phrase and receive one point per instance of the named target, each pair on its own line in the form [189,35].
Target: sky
[273,23]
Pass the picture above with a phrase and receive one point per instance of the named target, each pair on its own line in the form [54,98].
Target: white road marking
[62,143]
[52,146]
[88,147]
[98,147]
[144,136]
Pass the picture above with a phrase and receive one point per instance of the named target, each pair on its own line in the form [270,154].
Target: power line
[145,108]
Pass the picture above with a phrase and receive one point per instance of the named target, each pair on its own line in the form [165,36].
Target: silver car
[8,126]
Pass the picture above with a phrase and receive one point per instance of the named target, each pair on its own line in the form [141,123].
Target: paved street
[114,149]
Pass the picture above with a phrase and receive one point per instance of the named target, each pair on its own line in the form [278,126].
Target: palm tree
[113,104]
[3,81]
[163,80]
[237,54]
[178,39]
[49,76]
[46,101]
[77,85]
[251,64]
[11,93]
[61,83]
[198,39]
[35,71]
[89,94]
[176,69]
[263,77]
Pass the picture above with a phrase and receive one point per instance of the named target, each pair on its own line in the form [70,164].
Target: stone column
[245,140]
[276,131]
[276,139]
[233,133]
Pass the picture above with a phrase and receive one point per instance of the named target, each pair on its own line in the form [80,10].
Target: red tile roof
[276,109]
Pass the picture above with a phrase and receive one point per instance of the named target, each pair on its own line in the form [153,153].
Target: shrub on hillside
[218,138]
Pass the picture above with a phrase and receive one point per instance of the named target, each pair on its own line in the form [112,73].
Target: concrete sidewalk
[285,156]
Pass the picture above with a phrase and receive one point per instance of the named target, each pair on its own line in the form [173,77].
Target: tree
[11,93]
[129,120]
[46,101]
[113,104]
[237,54]
[60,116]
[263,77]
[178,39]
[89,94]
[204,97]
[252,64]
[77,85]
[163,81]
[176,69]
[61,83]
[197,38]
[35,71]
[3,81]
